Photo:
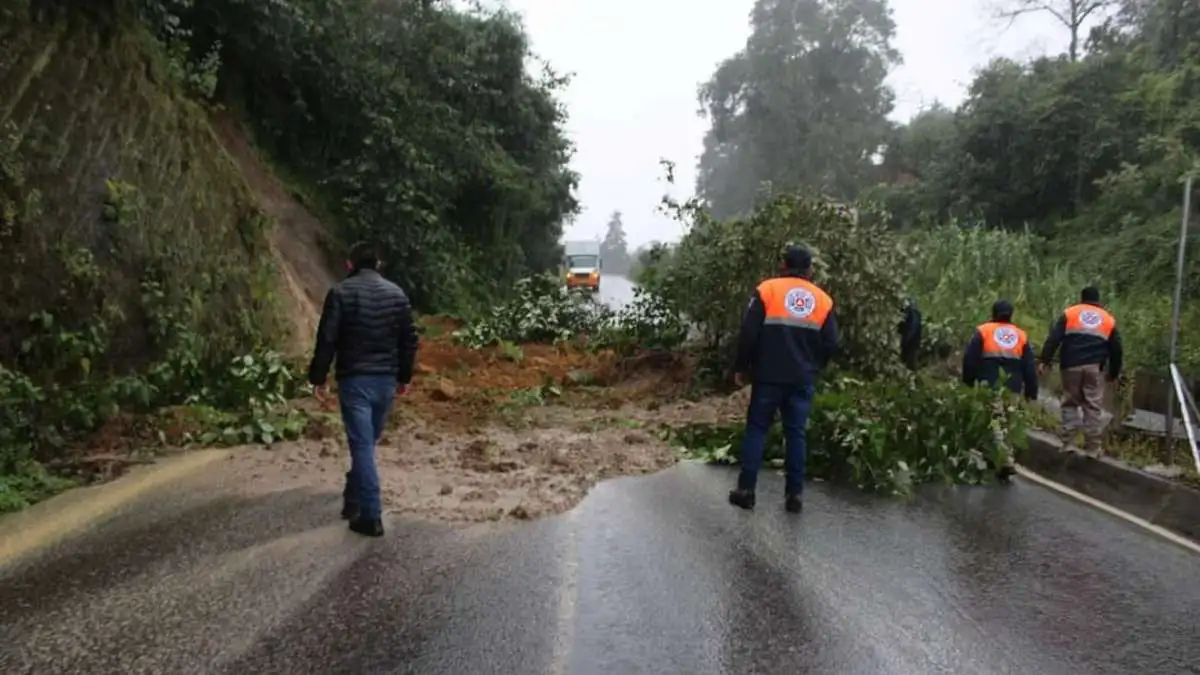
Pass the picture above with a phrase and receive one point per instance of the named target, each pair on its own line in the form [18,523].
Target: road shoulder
[1167,504]
[53,520]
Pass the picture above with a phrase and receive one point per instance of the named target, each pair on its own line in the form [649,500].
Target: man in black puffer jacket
[367,325]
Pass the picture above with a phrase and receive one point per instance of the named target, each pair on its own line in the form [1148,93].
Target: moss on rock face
[118,200]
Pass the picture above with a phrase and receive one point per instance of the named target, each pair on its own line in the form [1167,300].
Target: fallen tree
[874,424]
[888,437]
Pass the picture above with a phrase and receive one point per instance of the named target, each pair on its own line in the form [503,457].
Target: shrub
[891,436]
[27,483]
[540,309]
[41,420]
[712,272]
[19,401]
[645,323]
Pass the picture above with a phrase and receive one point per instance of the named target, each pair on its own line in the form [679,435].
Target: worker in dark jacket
[1088,336]
[367,327]
[1000,349]
[788,334]
[910,334]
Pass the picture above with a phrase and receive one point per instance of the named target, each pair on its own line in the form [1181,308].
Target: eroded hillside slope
[118,198]
[301,244]
[143,245]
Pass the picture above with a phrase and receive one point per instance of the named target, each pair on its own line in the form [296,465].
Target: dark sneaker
[349,510]
[743,499]
[793,504]
[1006,473]
[368,527]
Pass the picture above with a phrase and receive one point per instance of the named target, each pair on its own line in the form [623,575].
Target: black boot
[368,527]
[349,502]
[1006,473]
[793,503]
[743,499]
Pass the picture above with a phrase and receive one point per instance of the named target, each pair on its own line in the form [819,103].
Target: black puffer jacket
[367,324]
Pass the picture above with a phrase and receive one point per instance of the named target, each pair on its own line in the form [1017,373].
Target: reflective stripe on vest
[796,302]
[1002,340]
[1089,320]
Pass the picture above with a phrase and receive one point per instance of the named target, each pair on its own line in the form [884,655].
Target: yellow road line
[1170,536]
[52,520]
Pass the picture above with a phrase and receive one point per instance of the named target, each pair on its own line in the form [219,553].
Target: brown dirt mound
[466,446]
[446,475]
[463,447]
[462,387]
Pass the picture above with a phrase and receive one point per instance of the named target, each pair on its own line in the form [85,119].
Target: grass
[31,483]
[957,274]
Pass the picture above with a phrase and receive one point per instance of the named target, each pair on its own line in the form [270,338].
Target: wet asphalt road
[615,291]
[648,575]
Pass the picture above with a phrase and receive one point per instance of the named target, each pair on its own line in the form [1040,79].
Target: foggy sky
[636,65]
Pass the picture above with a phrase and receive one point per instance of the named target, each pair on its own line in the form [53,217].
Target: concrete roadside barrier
[1166,503]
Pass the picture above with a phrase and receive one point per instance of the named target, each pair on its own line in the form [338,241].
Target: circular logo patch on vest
[1006,337]
[800,302]
[1091,318]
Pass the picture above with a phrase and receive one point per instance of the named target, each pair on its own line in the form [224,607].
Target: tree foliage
[803,104]
[542,310]
[1088,153]
[614,250]
[890,436]
[137,266]
[418,122]
[711,274]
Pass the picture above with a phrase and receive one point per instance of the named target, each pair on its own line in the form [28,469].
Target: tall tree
[1072,14]
[803,104]
[1169,29]
[614,249]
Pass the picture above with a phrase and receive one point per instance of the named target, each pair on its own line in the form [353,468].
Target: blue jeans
[794,402]
[365,402]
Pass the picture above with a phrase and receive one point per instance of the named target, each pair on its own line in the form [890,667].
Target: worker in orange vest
[1089,339]
[788,335]
[999,349]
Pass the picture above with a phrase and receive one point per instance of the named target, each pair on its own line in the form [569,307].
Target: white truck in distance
[582,264]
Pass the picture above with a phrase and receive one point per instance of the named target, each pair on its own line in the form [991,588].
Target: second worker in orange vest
[1000,349]
[788,334]
[1088,336]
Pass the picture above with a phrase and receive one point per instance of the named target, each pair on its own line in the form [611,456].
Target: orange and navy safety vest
[1089,320]
[794,302]
[1002,340]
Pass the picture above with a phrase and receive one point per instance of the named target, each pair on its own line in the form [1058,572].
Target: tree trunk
[1073,53]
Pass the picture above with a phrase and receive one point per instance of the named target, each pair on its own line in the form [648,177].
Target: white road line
[1111,510]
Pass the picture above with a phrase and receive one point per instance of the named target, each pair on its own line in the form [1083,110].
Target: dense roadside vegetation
[137,269]
[1086,156]
[419,126]
[1052,174]
[877,425]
